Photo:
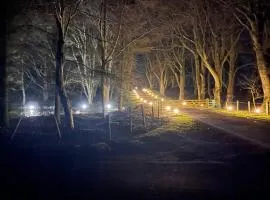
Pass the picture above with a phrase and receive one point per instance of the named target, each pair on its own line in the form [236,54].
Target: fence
[248,106]
[206,103]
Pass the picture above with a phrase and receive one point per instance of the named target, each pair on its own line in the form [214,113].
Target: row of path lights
[232,108]
[155,97]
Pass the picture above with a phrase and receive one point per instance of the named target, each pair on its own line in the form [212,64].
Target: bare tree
[63,16]
[85,54]
[253,85]
[178,69]
[252,14]
[161,70]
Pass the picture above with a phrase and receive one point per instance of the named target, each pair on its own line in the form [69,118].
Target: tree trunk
[197,76]
[107,84]
[57,106]
[45,86]
[203,83]
[209,89]
[22,86]
[120,98]
[106,92]
[217,94]
[161,85]
[182,85]
[4,118]
[230,86]
[60,77]
[216,76]
[45,93]
[261,63]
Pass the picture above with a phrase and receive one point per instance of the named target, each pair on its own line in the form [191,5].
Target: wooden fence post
[237,105]
[249,107]
[267,108]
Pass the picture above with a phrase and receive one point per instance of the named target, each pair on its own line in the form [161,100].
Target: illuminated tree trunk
[161,86]
[60,78]
[209,89]
[195,90]
[45,85]
[231,81]
[261,62]
[22,86]
[203,81]
[107,84]
[217,88]
[197,75]
[182,85]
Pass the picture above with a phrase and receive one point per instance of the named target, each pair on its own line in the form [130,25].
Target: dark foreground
[202,162]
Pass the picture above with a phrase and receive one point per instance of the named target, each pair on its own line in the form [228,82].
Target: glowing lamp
[84,106]
[184,103]
[109,106]
[168,108]
[257,110]
[229,108]
[162,99]
[32,107]
[176,111]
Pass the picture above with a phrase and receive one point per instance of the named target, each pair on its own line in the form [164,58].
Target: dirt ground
[175,158]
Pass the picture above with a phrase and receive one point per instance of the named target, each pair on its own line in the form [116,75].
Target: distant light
[77,112]
[144,101]
[144,90]
[156,97]
[257,110]
[141,99]
[136,88]
[84,106]
[123,108]
[150,103]
[176,110]
[168,108]
[162,99]
[201,105]
[109,106]
[229,108]
[31,107]
[184,103]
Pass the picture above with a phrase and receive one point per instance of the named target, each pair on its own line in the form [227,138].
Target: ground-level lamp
[257,110]
[176,110]
[168,108]
[229,108]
